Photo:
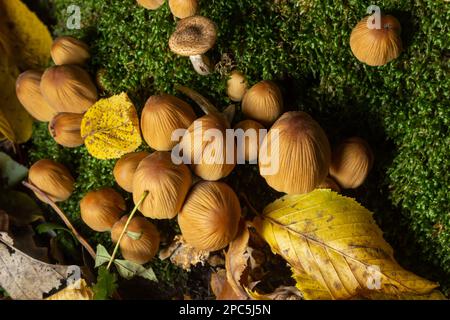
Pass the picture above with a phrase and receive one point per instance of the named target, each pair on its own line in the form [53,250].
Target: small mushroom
[150,4]
[236,86]
[193,37]
[183,8]
[351,162]
[248,147]
[126,167]
[303,152]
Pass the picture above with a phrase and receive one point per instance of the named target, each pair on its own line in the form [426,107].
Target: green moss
[401,109]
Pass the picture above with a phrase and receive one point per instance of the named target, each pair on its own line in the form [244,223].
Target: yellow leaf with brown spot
[335,246]
[77,291]
[29,39]
[110,128]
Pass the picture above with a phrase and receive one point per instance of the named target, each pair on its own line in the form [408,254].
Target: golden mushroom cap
[28,92]
[65,128]
[263,102]
[68,50]
[351,162]
[140,242]
[52,178]
[249,148]
[208,156]
[166,182]
[101,209]
[236,86]
[162,114]
[193,36]
[183,8]
[303,150]
[68,88]
[210,216]
[150,4]
[126,167]
[376,47]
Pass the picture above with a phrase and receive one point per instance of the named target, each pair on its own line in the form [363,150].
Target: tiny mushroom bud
[248,146]
[150,4]
[236,86]
[68,50]
[210,216]
[161,116]
[263,102]
[166,182]
[140,242]
[68,88]
[65,129]
[295,154]
[376,45]
[329,183]
[28,92]
[52,178]
[351,162]
[183,8]
[101,209]
[193,37]
[126,167]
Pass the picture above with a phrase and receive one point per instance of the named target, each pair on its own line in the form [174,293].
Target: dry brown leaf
[280,293]
[236,261]
[183,255]
[221,287]
[334,244]
[4,221]
[26,278]
[110,128]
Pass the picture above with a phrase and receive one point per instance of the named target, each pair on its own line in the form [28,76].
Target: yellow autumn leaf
[110,128]
[29,38]
[334,244]
[77,291]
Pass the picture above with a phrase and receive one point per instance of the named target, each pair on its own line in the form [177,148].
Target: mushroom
[236,86]
[161,116]
[150,4]
[303,152]
[193,37]
[351,162]
[183,8]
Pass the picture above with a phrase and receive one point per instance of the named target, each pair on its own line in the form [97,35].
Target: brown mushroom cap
[193,36]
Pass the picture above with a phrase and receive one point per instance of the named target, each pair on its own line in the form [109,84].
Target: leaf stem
[63,216]
[116,248]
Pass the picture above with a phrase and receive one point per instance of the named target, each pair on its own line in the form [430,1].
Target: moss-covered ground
[402,109]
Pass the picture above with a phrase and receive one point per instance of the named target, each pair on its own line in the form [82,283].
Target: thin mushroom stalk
[201,64]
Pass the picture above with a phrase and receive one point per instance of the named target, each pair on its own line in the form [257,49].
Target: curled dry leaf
[183,255]
[280,293]
[335,247]
[4,221]
[110,128]
[221,287]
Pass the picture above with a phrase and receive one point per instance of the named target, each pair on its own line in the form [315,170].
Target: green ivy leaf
[20,207]
[11,172]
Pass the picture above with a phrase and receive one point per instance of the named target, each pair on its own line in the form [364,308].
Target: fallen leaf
[106,284]
[183,255]
[280,293]
[334,241]
[28,38]
[236,261]
[11,172]
[22,209]
[26,278]
[221,287]
[76,291]
[4,221]
[110,128]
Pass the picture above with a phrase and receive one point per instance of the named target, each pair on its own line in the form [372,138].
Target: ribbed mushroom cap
[304,153]
[193,36]
[161,116]
[210,216]
[376,47]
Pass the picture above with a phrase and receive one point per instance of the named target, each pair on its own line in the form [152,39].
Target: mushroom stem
[229,113]
[201,64]
[206,106]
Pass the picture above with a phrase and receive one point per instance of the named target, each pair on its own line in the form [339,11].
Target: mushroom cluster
[62,93]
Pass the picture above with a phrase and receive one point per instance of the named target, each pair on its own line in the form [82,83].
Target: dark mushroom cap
[193,36]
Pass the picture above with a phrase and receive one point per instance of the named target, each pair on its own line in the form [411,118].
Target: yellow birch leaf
[334,241]
[29,38]
[77,291]
[110,128]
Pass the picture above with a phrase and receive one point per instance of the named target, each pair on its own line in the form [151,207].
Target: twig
[116,248]
[249,205]
[64,218]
